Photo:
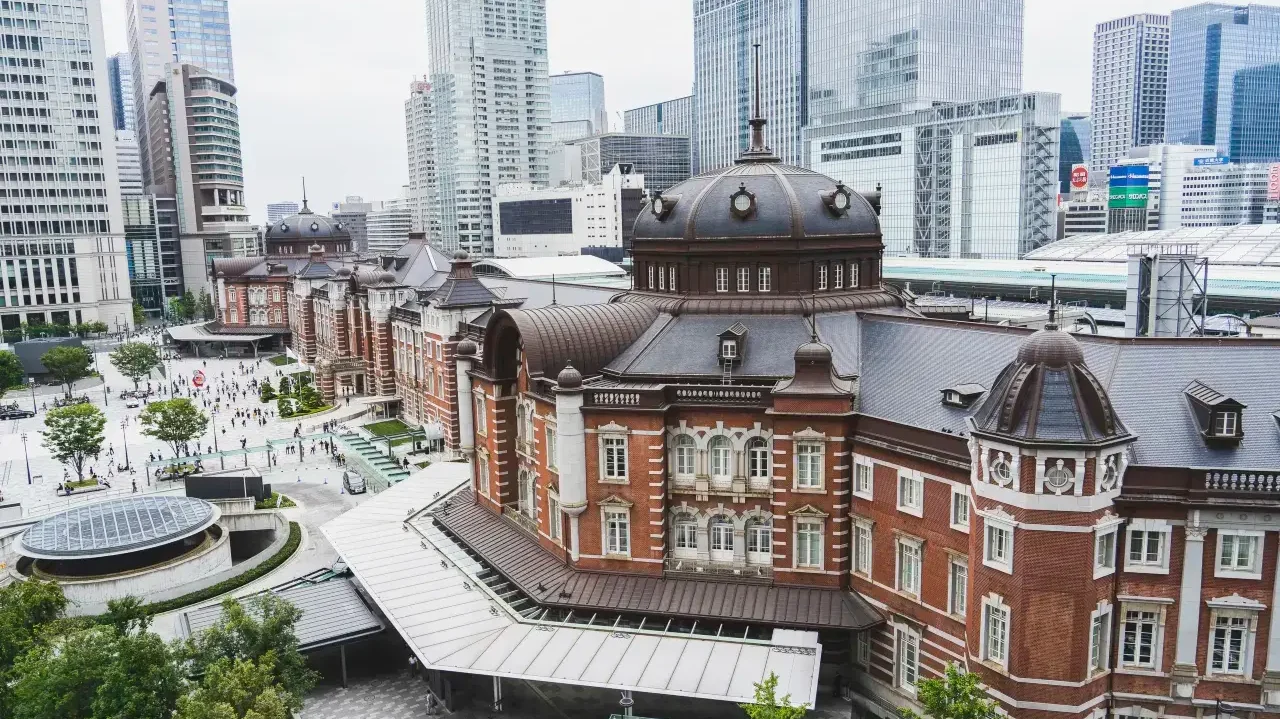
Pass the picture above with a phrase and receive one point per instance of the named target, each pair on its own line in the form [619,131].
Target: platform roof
[1248,245]
[206,332]
[432,592]
[117,526]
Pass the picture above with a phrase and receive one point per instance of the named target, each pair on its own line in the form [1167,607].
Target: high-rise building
[662,159]
[277,211]
[120,75]
[552,221]
[195,158]
[724,32]
[418,124]
[142,249]
[65,262]
[1255,115]
[387,229]
[164,32]
[886,56]
[492,105]
[1073,147]
[129,163]
[671,117]
[1130,80]
[1209,47]
[353,213]
[577,106]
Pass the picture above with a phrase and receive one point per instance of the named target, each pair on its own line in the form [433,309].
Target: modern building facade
[419,138]
[142,252]
[1255,114]
[546,222]
[1130,82]
[129,163]
[1073,147]
[577,106]
[120,75]
[663,160]
[277,211]
[491,101]
[388,228]
[196,159]
[164,32]
[671,117]
[353,213]
[977,179]
[62,263]
[1210,45]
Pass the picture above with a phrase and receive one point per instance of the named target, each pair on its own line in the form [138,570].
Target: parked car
[353,483]
[15,413]
[132,403]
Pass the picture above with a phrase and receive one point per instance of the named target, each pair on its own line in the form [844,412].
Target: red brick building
[762,432]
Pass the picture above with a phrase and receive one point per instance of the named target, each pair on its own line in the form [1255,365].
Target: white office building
[1130,79]
[974,180]
[1168,166]
[418,128]
[1218,195]
[387,228]
[62,260]
[277,211]
[547,222]
[129,163]
[492,103]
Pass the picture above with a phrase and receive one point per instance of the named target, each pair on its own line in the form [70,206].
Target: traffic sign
[197,378]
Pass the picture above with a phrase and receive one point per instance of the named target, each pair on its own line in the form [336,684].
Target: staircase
[380,471]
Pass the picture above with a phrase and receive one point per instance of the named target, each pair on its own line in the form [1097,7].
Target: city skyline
[283,59]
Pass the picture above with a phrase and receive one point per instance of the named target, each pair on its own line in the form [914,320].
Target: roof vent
[962,395]
[1218,417]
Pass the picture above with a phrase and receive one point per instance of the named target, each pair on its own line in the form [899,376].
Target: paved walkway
[393,697]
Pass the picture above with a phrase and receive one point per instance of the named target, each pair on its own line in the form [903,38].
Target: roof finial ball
[569,378]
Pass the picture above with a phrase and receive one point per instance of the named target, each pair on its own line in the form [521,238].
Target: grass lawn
[305,412]
[82,483]
[270,502]
[280,360]
[421,465]
[386,427]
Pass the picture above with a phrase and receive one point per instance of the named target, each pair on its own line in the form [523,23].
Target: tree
[767,704]
[957,695]
[188,305]
[204,305]
[177,311]
[174,421]
[11,373]
[236,689]
[259,627]
[74,434]
[25,607]
[67,364]
[267,393]
[310,397]
[139,316]
[135,360]
[286,386]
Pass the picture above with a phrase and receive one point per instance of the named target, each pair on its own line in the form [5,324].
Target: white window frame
[722,279]
[671,278]
[550,438]
[906,658]
[612,515]
[863,547]
[805,479]
[482,474]
[650,278]
[554,520]
[690,446]
[1249,630]
[728,349]
[907,579]
[1226,423]
[864,479]
[995,645]
[1234,537]
[720,459]
[720,539]
[911,492]
[960,496]
[990,529]
[681,529]
[957,570]
[807,526]
[853,275]
[822,277]
[765,281]
[837,280]
[481,412]
[1099,657]
[864,649]
[608,442]
[1159,527]
[764,533]
[1157,635]
[744,279]
[1104,559]
[759,462]
[662,279]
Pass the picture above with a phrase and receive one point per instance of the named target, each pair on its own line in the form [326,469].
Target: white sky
[322,83]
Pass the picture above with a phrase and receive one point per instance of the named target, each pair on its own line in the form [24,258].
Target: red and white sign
[197,378]
[1079,177]
[1273,182]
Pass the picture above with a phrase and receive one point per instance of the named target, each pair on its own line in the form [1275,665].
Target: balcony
[520,519]
[693,568]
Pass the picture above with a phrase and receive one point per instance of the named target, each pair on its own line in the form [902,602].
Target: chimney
[317,253]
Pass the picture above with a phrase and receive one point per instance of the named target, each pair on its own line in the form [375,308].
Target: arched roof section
[589,336]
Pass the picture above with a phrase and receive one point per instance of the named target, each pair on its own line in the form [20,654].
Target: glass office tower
[1130,83]
[577,105]
[1073,147]
[1215,56]
[120,75]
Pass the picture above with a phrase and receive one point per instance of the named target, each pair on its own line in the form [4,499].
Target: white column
[1273,636]
[1184,661]
[571,455]
[466,405]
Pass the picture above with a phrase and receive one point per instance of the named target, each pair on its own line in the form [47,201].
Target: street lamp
[213,422]
[31,382]
[124,423]
[26,457]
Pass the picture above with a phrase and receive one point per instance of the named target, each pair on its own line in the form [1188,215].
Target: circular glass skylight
[117,526]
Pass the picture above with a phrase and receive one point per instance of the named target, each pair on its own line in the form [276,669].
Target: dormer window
[1218,417]
[1226,423]
[731,343]
[962,395]
[729,349]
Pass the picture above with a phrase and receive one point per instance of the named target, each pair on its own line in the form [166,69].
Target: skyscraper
[129,163]
[161,32]
[671,117]
[1074,146]
[120,75]
[277,211]
[1130,80]
[63,261]
[353,213]
[723,34]
[1209,46]
[577,106]
[418,122]
[490,96]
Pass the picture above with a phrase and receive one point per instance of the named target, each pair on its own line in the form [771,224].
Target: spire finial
[1053,303]
[757,121]
[304,193]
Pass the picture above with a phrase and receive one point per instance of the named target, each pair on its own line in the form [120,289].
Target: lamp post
[124,423]
[213,422]
[26,457]
[31,382]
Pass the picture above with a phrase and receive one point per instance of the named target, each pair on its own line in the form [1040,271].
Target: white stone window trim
[555,522]
[1104,613]
[1148,525]
[864,650]
[1161,610]
[1073,484]
[864,464]
[809,515]
[809,439]
[899,541]
[1109,525]
[1255,569]
[910,502]
[614,432]
[963,524]
[1234,607]
[994,521]
[993,604]
[863,524]
[614,505]
[1117,460]
[905,633]
[953,563]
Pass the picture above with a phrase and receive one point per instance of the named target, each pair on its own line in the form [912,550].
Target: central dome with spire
[295,234]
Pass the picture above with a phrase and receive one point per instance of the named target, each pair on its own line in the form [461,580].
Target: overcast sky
[322,83]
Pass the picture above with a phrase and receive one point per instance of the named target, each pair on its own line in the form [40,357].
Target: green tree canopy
[261,626]
[236,689]
[24,608]
[767,704]
[139,315]
[11,373]
[67,364]
[175,422]
[135,360]
[956,695]
[204,305]
[188,305]
[74,434]
[177,310]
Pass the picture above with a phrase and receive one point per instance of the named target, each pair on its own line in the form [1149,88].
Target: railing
[406,315]
[1242,481]
[720,395]
[616,399]
[520,519]
[703,568]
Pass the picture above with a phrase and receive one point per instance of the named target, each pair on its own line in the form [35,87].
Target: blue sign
[1211,161]
[1130,175]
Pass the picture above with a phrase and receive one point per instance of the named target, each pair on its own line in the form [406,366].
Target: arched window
[720,535]
[720,454]
[522,425]
[758,470]
[684,535]
[684,451]
[759,542]
[526,494]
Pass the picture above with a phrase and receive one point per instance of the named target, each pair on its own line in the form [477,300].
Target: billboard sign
[1211,161]
[1273,182]
[197,378]
[1079,177]
[1128,186]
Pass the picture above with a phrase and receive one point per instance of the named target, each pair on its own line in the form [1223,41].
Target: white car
[132,403]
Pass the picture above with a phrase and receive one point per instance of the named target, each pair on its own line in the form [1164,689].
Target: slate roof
[522,560]
[588,336]
[333,612]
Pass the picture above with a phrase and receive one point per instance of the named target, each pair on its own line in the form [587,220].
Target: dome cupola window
[838,200]
[663,205]
[742,203]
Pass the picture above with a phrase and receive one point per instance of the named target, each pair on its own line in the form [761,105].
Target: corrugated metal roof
[563,268]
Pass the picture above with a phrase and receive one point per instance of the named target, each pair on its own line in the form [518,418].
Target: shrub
[267,393]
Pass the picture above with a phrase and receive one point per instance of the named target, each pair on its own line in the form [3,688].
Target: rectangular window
[650,277]
[995,630]
[960,508]
[1226,423]
[809,466]
[1228,646]
[862,549]
[837,281]
[1146,548]
[617,532]
[662,279]
[958,596]
[853,275]
[744,279]
[907,659]
[862,474]
[999,546]
[551,447]
[1099,641]
[766,280]
[686,537]
[671,277]
[1237,553]
[553,516]
[909,567]
[482,475]
[822,277]
[864,649]
[809,544]
[722,279]
[481,420]
[910,493]
[615,457]
[1138,639]
[1104,553]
